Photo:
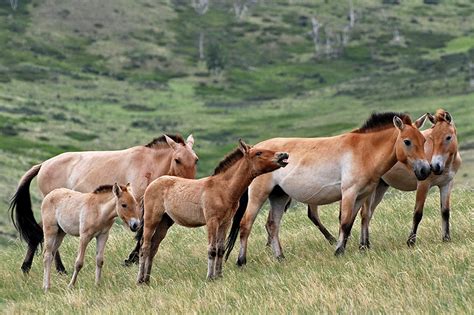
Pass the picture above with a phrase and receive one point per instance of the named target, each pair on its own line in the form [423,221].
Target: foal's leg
[212,230]
[445,195]
[277,207]
[134,256]
[313,215]
[221,234]
[421,193]
[149,229]
[101,241]
[49,242]
[84,241]
[257,197]
[367,212]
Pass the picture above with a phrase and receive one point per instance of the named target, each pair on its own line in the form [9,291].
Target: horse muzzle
[134,224]
[282,158]
[422,169]
[437,165]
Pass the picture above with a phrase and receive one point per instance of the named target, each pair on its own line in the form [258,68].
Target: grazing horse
[84,171]
[347,167]
[86,215]
[212,201]
[441,148]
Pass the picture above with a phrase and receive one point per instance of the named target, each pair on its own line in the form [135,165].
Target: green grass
[390,278]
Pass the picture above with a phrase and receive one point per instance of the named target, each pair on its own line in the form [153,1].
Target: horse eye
[258,153]
[448,138]
[177,161]
[124,205]
[407,142]
[197,160]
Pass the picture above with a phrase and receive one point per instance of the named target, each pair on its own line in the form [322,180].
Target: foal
[212,201]
[86,215]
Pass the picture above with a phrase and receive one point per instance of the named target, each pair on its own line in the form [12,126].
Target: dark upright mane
[162,140]
[379,121]
[103,189]
[229,160]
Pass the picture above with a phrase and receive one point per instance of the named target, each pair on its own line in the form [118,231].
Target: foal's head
[410,145]
[183,160]
[445,142]
[126,205]
[262,160]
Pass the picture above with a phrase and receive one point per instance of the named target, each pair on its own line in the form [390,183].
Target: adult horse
[84,171]
[441,148]
[212,201]
[347,167]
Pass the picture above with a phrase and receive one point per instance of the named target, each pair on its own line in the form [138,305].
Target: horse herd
[85,191]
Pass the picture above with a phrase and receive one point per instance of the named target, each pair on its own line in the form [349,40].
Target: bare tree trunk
[328,42]
[351,14]
[201,45]
[315,34]
[346,36]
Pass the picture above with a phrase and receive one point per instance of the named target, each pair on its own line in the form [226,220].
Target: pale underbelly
[314,194]
[186,213]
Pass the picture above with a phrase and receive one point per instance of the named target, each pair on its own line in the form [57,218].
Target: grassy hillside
[107,75]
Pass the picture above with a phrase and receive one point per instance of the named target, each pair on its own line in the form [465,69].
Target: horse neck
[236,178]
[382,148]
[162,156]
[105,205]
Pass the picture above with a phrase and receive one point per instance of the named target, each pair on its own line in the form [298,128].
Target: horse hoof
[241,261]
[25,269]
[62,272]
[339,251]
[280,258]
[411,242]
[446,238]
[364,247]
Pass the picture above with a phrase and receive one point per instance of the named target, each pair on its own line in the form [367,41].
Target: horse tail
[234,231]
[22,213]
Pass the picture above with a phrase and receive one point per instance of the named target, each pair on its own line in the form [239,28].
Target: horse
[344,168]
[441,148]
[212,201]
[86,215]
[84,171]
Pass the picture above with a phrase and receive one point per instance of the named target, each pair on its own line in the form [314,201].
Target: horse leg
[367,212]
[350,204]
[212,230]
[84,241]
[134,256]
[256,200]
[99,259]
[28,261]
[313,215]
[160,233]
[49,241]
[269,238]
[277,207]
[445,196]
[221,233]
[59,264]
[421,193]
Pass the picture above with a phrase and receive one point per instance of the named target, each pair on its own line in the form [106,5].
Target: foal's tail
[21,212]
[234,231]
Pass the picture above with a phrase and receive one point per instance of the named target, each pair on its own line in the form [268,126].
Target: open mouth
[283,161]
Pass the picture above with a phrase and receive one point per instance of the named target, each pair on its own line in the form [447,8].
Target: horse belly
[186,213]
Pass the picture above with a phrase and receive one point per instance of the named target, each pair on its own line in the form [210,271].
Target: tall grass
[433,277]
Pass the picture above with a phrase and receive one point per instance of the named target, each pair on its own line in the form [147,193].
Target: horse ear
[398,123]
[432,119]
[117,190]
[420,121]
[128,186]
[173,145]
[244,147]
[190,140]
[448,118]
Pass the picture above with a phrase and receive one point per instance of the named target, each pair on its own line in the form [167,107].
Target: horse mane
[229,160]
[380,121]
[161,141]
[106,189]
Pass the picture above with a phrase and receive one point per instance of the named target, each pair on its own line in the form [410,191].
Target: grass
[390,278]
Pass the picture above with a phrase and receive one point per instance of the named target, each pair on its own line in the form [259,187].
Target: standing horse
[83,171]
[441,148]
[347,167]
[210,201]
[86,215]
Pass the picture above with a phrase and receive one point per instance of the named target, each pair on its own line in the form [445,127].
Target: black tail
[22,213]
[234,230]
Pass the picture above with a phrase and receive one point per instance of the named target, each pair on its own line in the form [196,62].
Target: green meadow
[108,75]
